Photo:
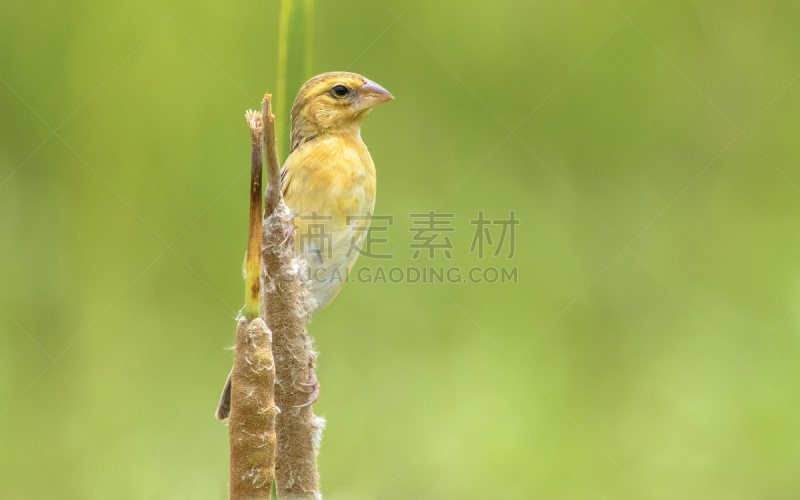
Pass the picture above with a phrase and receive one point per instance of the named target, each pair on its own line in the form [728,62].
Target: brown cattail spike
[252,418]
[285,307]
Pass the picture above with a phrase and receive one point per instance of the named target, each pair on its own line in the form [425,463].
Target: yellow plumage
[329,180]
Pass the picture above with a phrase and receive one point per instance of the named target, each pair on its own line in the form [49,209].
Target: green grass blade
[294,62]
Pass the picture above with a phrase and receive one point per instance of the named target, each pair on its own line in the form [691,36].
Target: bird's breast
[333,177]
[329,183]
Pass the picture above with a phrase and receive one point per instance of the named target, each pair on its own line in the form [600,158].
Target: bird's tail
[224,407]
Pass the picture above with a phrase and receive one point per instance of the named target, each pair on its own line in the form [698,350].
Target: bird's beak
[370,95]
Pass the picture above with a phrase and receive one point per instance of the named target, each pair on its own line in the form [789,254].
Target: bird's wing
[285,179]
[329,266]
[333,210]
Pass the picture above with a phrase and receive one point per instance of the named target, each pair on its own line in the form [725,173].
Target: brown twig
[285,307]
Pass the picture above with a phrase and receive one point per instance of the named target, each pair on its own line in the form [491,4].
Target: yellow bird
[329,184]
[329,180]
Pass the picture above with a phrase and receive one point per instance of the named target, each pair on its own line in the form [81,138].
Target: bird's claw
[311,387]
[289,231]
[289,234]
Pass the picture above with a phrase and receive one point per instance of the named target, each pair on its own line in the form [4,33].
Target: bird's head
[334,103]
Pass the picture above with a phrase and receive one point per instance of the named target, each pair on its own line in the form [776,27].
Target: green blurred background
[664,369]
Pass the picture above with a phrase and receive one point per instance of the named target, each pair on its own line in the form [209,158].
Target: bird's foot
[289,230]
[289,233]
[311,388]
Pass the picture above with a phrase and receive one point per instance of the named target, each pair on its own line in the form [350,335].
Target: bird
[329,185]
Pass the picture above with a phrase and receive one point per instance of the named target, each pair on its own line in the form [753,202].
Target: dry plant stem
[273,196]
[253,258]
[252,419]
[252,405]
[285,308]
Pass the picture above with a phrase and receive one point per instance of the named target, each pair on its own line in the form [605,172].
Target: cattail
[285,307]
[251,424]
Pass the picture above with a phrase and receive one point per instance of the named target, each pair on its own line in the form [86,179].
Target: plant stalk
[252,405]
[294,61]
[253,256]
[285,307]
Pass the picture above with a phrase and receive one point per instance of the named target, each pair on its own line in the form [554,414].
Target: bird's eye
[339,90]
